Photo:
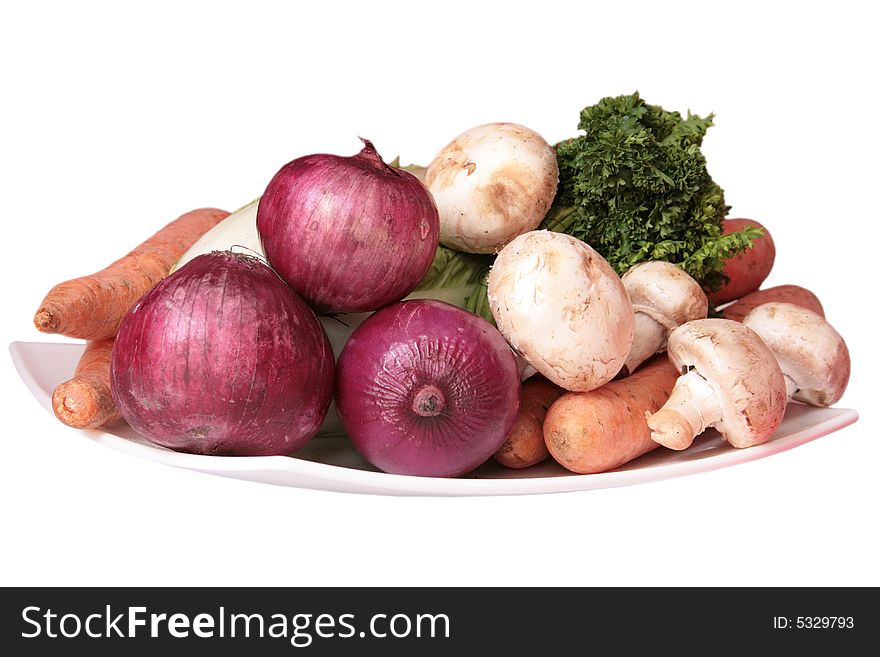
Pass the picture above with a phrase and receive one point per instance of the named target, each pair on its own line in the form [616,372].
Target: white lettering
[24,617]
[178,626]
[298,634]
[154,623]
[433,618]
[322,621]
[77,624]
[112,625]
[344,623]
[89,626]
[247,623]
[280,624]
[134,621]
[408,625]
[49,616]
[373,626]
[203,626]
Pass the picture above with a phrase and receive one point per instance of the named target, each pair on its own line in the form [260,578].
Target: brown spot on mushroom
[589,264]
[471,167]
[443,170]
[573,311]
[506,189]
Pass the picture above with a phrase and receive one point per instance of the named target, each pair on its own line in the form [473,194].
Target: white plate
[331,463]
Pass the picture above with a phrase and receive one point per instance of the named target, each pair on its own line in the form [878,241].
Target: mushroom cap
[810,352]
[747,380]
[563,308]
[492,183]
[666,293]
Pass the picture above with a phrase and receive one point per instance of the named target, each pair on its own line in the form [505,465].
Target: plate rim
[367,481]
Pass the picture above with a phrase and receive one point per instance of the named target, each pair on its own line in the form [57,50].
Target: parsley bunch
[635,187]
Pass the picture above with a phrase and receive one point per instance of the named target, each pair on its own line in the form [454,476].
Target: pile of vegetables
[512,298]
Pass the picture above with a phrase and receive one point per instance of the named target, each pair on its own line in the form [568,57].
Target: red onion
[425,388]
[223,358]
[350,234]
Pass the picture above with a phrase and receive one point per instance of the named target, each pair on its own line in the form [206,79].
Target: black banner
[436,621]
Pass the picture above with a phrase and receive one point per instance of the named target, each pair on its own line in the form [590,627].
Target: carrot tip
[45,321]
[78,405]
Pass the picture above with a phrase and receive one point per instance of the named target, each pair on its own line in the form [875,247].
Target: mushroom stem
[649,338]
[791,387]
[690,409]
[523,367]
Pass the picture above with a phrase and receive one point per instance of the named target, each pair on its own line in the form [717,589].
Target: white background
[115,120]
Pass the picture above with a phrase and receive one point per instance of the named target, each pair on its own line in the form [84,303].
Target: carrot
[91,307]
[85,402]
[747,270]
[595,431]
[524,445]
[799,296]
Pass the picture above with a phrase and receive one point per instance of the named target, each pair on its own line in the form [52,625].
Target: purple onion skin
[350,234]
[223,358]
[425,388]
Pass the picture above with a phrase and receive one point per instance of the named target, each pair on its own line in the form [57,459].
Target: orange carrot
[799,296]
[748,269]
[524,445]
[595,431]
[85,402]
[91,307]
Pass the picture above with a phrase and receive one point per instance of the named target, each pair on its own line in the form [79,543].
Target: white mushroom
[730,380]
[563,308]
[492,183]
[813,357]
[664,297]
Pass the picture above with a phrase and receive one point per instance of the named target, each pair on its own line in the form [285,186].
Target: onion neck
[690,409]
[649,338]
[428,401]
[370,155]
